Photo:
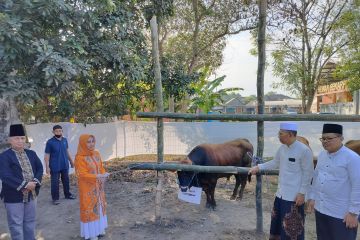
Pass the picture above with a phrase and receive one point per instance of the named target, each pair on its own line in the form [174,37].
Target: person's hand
[254,170]
[101,177]
[310,206]
[30,186]
[351,220]
[47,171]
[300,199]
[24,190]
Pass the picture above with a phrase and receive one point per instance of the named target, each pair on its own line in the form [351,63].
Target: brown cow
[233,153]
[306,142]
[303,140]
[353,145]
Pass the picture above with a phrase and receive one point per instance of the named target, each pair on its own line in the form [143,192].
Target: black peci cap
[17,130]
[332,128]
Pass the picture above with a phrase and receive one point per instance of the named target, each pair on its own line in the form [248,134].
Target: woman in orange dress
[91,177]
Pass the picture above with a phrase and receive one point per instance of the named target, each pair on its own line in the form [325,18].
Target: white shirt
[336,183]
[295,164]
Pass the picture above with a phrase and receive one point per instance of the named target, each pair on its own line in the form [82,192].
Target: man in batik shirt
[21,173]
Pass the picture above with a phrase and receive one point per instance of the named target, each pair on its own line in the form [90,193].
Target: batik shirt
[27,172]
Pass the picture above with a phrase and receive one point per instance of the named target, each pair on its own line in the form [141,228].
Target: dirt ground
[131,201]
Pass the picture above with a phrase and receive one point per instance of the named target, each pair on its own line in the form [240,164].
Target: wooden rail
[260,118]
[253,117]
[194,168]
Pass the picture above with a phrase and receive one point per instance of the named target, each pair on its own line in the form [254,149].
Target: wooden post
[159,108]
[260,99]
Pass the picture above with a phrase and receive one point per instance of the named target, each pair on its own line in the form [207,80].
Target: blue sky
[240,67]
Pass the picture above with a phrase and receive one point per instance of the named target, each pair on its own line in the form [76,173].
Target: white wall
[122,138]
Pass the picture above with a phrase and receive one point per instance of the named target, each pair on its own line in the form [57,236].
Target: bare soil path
[130,196]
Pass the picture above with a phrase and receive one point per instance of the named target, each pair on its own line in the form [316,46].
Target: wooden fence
[160,166]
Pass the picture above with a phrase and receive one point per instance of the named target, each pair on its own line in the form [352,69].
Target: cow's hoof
[213,208]
[238,198]
[208,205]
[233,198]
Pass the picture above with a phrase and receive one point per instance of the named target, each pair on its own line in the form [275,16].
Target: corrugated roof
[288,102]
[236,101]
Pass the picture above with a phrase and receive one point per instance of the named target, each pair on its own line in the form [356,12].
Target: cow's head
[187,179]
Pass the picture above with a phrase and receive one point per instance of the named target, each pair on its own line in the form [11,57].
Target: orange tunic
[91,190]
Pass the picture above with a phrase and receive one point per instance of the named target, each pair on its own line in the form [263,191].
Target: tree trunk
[171,104]
[303,78]
[194,58]
[260,100]
[8,116]
[309,102]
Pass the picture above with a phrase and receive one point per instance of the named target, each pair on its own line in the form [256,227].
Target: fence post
[159,108]
[260,99]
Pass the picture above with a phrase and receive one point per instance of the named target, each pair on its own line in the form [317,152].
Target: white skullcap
[288,126]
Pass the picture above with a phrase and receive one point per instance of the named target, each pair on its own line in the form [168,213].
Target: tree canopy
[305,35]
[92,58]
[349,65]
[90,54]
[89,59]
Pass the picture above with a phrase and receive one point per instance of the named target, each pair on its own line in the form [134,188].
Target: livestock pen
[160,166]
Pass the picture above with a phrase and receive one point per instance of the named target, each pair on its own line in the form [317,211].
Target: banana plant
[206,96]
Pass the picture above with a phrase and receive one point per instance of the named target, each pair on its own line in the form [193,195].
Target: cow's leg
[237,184]
[205,187]
[243,179]
[212,187]
[213,202]
[208,198]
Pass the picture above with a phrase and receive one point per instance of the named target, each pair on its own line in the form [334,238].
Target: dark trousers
[287,220]
[330,228]
[64,174]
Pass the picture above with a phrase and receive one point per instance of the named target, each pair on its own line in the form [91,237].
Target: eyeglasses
[327,139]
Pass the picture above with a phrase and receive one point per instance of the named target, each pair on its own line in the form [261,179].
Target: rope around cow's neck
[192,178]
